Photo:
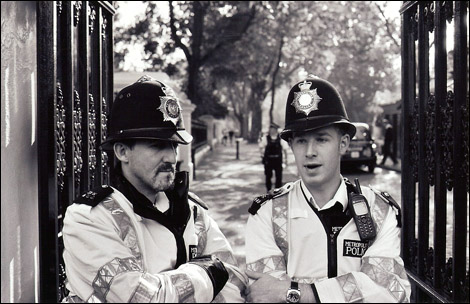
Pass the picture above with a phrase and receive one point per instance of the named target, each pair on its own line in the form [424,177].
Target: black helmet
[146,109]
[314,103]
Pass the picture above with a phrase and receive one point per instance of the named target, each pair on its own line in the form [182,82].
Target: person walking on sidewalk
[387,148]
[320,238]
[146,238]
[230,135]
[273,151]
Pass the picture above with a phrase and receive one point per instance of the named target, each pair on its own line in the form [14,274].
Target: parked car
[362,149]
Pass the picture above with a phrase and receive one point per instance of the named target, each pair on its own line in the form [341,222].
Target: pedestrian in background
[387,148]
[224,137]
[146,238]
[230,135]
[320,238]
[273,152]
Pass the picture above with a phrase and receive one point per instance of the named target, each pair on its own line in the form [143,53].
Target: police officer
[273,151]
[321,238]
[146,238]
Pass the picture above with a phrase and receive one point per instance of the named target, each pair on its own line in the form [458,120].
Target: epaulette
[197,200]
[262,199]
[95,196]
[386,197]
[350,187]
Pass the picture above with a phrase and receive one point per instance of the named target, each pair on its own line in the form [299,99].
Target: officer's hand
[266,289]
[215,270]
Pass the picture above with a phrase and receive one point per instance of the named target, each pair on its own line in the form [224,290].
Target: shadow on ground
[229,185]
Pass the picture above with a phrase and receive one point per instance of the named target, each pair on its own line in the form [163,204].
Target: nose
[311,149]
[170,153]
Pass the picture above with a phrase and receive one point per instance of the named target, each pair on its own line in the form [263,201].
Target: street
[228,186]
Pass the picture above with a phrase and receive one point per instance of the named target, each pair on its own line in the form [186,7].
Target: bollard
[237,141]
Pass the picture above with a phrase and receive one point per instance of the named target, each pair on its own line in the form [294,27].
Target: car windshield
[362,133]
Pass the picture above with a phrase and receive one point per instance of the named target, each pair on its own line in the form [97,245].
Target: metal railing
[75,87]
[435,155]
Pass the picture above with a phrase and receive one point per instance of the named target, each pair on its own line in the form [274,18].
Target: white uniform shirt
[287,238]
[112,254]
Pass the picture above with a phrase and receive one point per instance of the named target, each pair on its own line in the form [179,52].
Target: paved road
[229,185]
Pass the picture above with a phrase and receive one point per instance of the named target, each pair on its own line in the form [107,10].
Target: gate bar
[408,97]
[440,191]
[423,187]
[47,194]
[460,179]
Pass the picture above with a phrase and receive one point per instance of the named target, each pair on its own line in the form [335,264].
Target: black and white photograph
[234,151]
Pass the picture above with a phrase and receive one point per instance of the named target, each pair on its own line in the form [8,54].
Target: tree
[261,59]
[197,28]
[363,55]
[232,54]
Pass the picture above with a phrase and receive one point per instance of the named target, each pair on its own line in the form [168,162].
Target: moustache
[166,167]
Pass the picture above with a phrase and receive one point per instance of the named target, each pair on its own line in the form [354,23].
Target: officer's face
[151,165]
[318,155]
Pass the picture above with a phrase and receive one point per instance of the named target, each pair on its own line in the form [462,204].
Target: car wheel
[371,167]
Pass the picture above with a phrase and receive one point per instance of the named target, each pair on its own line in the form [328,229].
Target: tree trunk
[244,127]
[192,83]
[255,122]
[195,58]
[273,82]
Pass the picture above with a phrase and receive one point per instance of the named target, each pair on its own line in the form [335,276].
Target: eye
[160,145]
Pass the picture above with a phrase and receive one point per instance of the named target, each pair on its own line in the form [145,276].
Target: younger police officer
[146,238]
[320,238]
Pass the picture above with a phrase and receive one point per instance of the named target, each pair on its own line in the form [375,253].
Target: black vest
[273,148]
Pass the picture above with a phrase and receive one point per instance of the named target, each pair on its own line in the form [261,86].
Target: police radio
[361,213]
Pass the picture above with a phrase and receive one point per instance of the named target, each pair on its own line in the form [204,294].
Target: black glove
[215,270]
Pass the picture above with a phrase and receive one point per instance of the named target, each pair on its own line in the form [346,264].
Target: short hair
[130,142]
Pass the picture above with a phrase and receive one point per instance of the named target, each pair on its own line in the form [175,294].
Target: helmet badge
[306,100]
[170,106]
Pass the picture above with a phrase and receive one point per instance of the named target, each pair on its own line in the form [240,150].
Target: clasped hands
[266,289]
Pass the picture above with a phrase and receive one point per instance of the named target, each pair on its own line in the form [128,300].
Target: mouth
[311,166]
[166,168]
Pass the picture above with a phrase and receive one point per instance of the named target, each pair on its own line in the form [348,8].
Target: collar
[136,198]
[178,197]
[340,196]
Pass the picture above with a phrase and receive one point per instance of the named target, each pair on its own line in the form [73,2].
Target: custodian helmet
[146,109]
[314,103]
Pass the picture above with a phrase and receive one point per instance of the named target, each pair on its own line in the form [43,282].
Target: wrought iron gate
[435,151]
[75,91]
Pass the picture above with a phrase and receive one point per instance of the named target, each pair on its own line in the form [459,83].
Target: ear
[344,143]
[121,151]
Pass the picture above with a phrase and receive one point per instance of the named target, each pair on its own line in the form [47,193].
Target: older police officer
[146,238]
[321,238]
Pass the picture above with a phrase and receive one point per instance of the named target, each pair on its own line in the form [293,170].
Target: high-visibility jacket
[114,255]
[287,239]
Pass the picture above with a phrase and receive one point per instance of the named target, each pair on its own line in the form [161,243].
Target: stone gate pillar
[184,153]
[209,120]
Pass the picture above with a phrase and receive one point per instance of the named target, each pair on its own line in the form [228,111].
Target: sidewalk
[389,164]
[228,186]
